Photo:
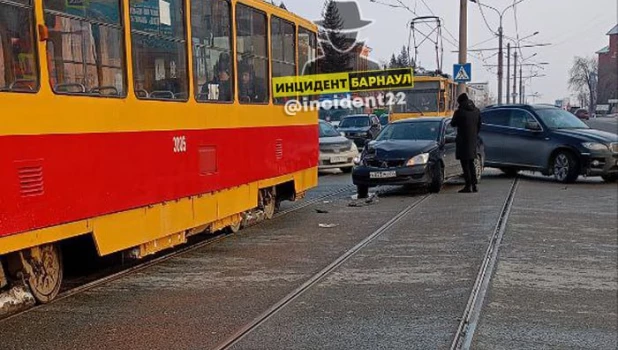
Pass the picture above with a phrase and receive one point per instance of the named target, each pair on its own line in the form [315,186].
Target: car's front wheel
[437,178]
[362,191]
[610,178]
[565,167]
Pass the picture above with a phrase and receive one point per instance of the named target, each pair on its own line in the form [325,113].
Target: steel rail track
[167,256]
[282,303]
[469,321]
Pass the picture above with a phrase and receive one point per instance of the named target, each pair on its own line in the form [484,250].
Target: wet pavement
[555,283]
[406,290]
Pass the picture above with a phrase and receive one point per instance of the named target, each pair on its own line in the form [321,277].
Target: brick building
[607,88]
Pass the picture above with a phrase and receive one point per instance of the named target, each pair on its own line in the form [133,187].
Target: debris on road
[327,225]
[320,211]
[372,199]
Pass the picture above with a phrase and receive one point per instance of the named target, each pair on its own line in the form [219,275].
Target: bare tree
[582,80]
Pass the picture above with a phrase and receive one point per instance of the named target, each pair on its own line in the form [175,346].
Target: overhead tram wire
[521,53]
[478,2]
[456,41]
[452,43]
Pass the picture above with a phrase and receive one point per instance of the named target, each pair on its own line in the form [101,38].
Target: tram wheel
[43,270]
[269,203]
[235,226]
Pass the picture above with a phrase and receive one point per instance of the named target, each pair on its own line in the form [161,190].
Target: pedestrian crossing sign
[462,72]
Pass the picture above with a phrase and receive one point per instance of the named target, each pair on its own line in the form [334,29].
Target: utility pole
[514,77]
[500,64]
[463,40]
[521,86]
[500,39]
[508,75]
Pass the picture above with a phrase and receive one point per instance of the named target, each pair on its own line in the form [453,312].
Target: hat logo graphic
[350,16]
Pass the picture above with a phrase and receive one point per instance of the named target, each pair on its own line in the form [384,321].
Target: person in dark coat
[467,120]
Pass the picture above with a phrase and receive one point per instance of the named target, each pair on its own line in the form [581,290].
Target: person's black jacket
[467,120]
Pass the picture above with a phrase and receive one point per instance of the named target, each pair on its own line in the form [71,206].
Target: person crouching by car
[467,120]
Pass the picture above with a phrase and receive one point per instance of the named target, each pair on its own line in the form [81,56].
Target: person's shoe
[474,189]
[465,190]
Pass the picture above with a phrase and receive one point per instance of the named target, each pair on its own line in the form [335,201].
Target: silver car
[336,151]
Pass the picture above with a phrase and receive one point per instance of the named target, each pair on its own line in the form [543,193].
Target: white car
[336,151]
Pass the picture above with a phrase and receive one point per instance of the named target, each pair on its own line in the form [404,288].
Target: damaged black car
[418,151]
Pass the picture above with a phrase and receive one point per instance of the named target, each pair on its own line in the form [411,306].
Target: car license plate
[338,159]
[382,174]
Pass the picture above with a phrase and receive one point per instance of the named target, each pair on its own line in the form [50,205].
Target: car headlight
[421,159]
[354,148]
[595,146]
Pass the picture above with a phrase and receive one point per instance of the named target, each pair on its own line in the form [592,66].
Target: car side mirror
[533,126]
[450,139]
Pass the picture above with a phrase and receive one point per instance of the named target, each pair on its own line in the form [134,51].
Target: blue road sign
[462,73]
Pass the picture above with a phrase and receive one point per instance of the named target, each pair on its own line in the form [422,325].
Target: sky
[572,27]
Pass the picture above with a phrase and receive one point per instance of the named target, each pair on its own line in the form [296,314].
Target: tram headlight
[420,159]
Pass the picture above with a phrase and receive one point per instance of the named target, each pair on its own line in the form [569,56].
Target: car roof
[358,115]
[421,119]
[529,107]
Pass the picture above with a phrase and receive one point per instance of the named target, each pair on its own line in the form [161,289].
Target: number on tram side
[180,144]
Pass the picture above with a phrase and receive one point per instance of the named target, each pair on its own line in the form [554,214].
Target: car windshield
[556,118]
[327,130]
[428,130]
[354,122]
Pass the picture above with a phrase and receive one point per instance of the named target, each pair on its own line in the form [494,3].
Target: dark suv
[548,140]
[360,127]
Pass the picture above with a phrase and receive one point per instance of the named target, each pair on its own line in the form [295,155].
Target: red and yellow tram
[138,123]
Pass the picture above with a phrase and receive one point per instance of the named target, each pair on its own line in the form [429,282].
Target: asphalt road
[554,286]
[605,124]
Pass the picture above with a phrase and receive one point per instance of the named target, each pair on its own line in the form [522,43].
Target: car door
[494,130]
[451,165]
[526,147]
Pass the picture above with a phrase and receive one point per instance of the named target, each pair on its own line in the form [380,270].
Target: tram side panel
[53,179]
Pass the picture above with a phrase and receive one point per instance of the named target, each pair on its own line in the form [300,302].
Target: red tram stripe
[47,180]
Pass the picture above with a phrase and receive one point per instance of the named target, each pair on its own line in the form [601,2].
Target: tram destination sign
[338,83]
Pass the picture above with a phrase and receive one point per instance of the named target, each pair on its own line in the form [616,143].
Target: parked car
[336,151]
[360,127]
[582,114]
[418,151]
[549,140]
[333,116]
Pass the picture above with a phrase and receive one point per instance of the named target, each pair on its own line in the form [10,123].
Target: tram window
[18,67]
[211,28]
[307,52]
[159,49]
[283,42]
[83,47]
[252,55]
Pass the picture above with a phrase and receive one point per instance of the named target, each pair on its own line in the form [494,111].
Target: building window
[211,28]
[85,47]
[252,55]
[283,42]
[307,52]
[18,67]
[159,49]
